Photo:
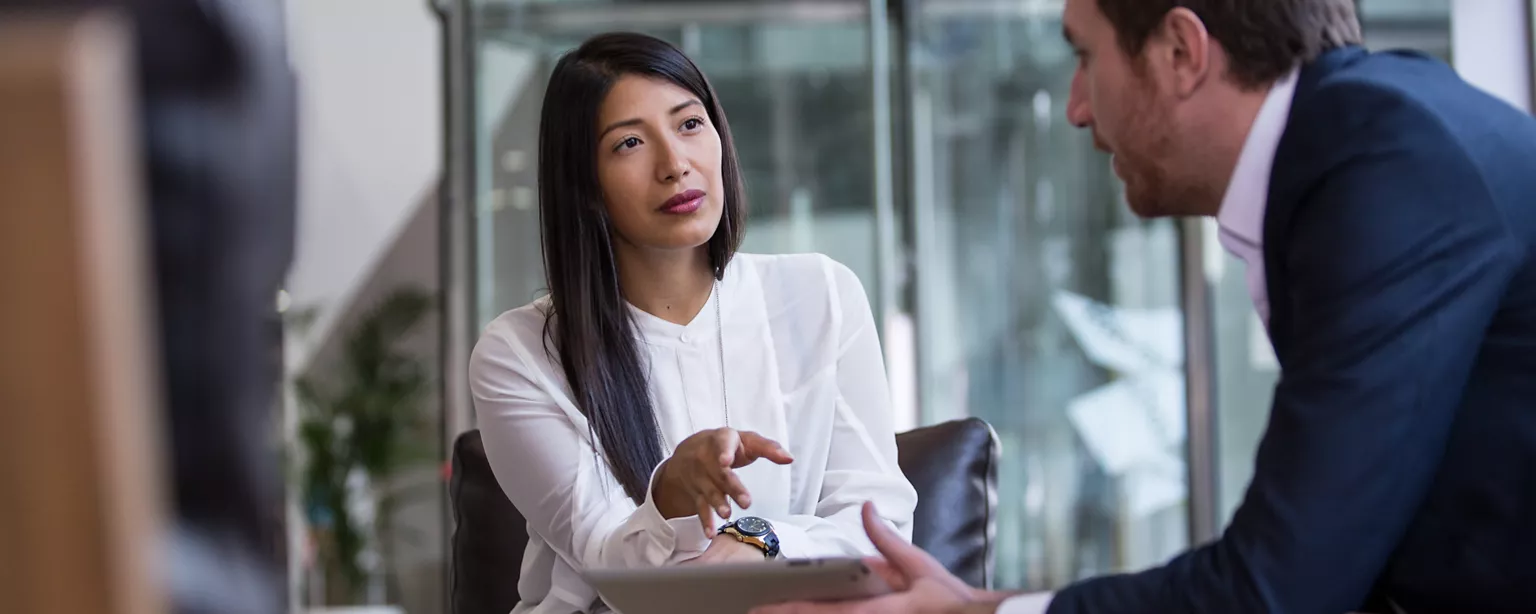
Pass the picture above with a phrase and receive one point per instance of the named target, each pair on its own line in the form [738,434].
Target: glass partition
[795,83]
[1014,283]
[1044,306]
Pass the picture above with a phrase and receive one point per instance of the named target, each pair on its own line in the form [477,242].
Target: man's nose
[1078,109]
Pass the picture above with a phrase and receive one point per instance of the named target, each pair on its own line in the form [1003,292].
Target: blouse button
[683,338]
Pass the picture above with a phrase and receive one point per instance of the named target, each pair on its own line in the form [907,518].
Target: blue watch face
[753,526]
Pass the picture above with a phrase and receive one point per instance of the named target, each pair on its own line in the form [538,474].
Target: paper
[1116,427]
[1131,341]
[1155,486]
[1161,394]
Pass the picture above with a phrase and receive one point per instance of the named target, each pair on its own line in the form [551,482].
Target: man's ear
[1186,50]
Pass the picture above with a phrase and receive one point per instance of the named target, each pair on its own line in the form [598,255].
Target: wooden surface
[80,488]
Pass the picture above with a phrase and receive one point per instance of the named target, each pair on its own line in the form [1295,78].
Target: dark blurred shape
[219,131]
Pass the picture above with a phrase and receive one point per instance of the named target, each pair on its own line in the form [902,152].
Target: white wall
[370,151]
[370,138]
[1490,47]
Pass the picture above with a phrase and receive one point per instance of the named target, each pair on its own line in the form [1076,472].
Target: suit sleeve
[1396,262]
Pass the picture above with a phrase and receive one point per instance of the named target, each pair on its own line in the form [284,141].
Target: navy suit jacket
[1400,457]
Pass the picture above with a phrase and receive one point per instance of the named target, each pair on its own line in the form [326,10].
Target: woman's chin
[695,233]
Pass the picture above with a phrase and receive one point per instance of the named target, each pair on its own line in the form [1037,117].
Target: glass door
[923,143]
[1043,305]
[795,81]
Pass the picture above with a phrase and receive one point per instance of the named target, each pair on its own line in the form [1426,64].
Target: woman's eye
[693,123]
[627,143]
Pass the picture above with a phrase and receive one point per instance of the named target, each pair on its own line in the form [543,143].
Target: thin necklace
[725,398]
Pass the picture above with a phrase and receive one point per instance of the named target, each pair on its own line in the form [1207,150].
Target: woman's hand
[698,477]
[727,549]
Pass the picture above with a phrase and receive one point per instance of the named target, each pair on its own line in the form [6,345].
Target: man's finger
[755,446]
[892,576]
[910,560]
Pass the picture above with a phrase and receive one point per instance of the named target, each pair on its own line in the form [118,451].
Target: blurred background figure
[216,128]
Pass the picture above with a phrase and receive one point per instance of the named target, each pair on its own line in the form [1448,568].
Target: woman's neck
[670,284]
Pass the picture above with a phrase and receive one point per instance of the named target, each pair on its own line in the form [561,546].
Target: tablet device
[734,588]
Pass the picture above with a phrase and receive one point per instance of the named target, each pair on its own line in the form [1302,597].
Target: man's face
[1117,98]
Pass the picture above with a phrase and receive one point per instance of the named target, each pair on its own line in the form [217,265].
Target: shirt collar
[1242,208]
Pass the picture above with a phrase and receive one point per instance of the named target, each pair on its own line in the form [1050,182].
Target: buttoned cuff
[1034,603]
[684,535]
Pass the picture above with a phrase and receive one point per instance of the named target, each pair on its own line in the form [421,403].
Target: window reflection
[1045,306]
[1039,303]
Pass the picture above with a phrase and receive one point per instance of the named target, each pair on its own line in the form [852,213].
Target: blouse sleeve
[861,465]
[541,452]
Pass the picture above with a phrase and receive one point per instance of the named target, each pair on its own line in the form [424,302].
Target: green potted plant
[359,422]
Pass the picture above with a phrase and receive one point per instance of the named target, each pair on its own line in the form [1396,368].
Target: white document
[1129,341]
[1117,427]
[1155,486]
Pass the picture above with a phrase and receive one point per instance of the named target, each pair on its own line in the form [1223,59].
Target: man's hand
[922,585]
[727,549]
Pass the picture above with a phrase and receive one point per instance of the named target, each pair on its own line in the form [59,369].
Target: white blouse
[802,367]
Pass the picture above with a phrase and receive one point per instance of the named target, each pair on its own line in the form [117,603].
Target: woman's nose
[673,163]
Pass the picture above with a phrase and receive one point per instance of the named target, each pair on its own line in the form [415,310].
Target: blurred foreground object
[217,133]
[81,519]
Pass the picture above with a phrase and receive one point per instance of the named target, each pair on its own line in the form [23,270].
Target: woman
[623,413]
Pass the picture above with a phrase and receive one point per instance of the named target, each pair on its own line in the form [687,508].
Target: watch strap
[768,543]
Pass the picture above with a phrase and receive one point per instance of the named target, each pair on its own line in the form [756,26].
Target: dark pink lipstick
[683,203]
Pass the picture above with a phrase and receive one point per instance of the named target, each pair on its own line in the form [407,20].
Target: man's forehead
[1072,18]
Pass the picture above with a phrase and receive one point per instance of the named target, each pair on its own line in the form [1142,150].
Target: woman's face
[658,164]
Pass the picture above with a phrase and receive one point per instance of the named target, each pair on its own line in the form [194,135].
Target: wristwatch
[755,532]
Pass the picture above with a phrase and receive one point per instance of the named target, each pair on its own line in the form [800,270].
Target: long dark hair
[590,324]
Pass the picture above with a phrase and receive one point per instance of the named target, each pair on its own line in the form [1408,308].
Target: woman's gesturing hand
[699,475]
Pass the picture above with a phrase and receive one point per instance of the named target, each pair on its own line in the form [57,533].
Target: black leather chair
[953,466]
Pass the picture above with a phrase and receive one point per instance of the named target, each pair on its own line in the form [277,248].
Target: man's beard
[1151,189]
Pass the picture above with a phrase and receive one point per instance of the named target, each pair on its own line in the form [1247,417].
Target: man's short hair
[1263,39]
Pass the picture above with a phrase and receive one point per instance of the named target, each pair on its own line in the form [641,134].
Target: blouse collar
[658,331]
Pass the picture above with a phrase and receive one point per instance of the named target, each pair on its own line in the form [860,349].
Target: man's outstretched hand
[921,584]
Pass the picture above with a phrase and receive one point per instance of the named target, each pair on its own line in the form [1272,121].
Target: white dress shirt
[1242,208]
[802,367]
[1241,219]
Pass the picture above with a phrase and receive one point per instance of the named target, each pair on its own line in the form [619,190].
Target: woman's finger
[728,446]
[737,490]
[704,517]
[755,446]
[710,495]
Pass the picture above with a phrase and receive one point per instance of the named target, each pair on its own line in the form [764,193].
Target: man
[1386,211]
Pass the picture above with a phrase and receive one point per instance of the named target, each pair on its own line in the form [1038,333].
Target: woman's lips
[684,202]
